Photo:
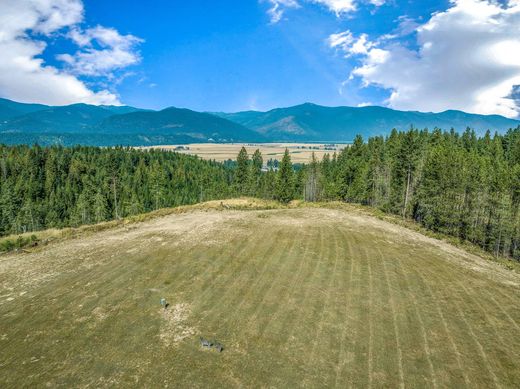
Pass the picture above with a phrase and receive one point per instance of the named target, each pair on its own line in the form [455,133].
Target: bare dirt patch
[176,326]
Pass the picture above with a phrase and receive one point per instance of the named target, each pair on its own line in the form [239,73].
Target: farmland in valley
[300,152]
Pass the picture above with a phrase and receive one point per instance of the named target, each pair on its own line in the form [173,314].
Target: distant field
[300,152]
[310,297]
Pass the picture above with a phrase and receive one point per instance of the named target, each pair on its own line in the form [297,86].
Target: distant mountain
[114,125]
[76,118]
[183,123]
[122,109]
[10,109]
[310,122]
[122,125]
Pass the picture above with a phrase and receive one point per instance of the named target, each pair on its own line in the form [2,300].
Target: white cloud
[25,77]
[339,7]
[342,40]
[117,51]
[278,7]
[346,42]
[468,58]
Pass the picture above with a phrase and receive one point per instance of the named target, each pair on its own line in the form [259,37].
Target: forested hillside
[57,187]
[45,187]
[460,185]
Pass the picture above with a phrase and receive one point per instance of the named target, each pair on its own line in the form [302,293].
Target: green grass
[299,297]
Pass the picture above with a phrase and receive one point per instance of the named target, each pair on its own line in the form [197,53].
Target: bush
[9,244]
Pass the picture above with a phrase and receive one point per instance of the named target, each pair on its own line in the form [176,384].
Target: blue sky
[238,55]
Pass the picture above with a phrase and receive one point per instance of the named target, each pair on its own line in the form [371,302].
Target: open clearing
[310,297]
[300,152]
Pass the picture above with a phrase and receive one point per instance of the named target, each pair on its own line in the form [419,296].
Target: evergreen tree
[312,190]
[100,208]
[285,179]
[255,175]
[242,172]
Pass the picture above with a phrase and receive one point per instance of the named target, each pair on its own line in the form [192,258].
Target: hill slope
[111,125]
[298,297]
[182,123]
[10,109]
[76,118]
[310,122]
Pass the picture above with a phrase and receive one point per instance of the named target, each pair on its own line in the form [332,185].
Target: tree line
[461,185]
[457,184]
[54,187]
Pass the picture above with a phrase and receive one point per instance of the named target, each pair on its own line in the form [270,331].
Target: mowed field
[300,152]
[310,297]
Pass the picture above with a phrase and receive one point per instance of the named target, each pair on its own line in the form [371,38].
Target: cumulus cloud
[468,58]
[24,76]
[116,51]
[339,7]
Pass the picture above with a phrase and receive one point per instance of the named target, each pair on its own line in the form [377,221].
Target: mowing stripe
[446,328]
[212,280]
[486,316]
[498,305]
[308,291]
[304,289]
[479,345]
[217,266]
[360,317]
[326,303]
[283,259]
[288,287]
[370,327]
[217,269]
[512,299]
[342,362]
[322,255]
[336,324]
[394,320]
[253,288]
[505,312]
[242,273]
[506,350]
[421,322]
[442,288]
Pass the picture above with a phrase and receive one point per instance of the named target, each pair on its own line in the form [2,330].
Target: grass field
[300,152]
[311,297]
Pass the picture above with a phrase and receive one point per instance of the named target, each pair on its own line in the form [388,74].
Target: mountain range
[22,123]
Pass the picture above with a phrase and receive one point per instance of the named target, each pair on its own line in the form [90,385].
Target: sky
[231,55]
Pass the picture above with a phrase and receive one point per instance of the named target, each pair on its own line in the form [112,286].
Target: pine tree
[100,208]
[312,188]
[242,171]
[255,175]
[285,179]
[7,209]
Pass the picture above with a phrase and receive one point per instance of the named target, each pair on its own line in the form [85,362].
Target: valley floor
[310,297]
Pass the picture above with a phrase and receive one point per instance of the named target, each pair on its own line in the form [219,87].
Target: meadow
[311,296]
